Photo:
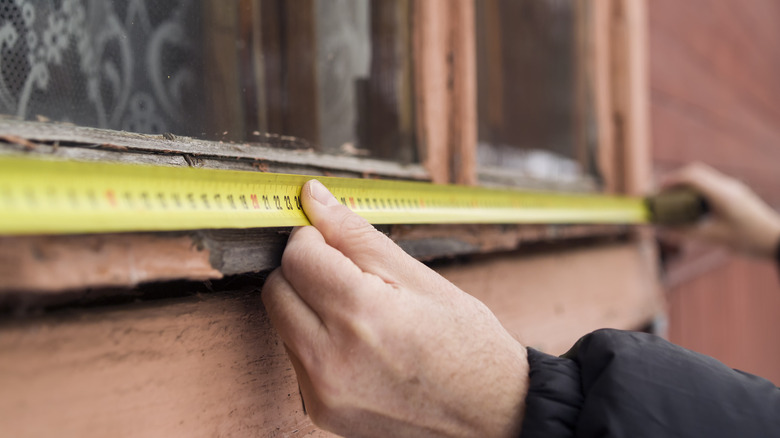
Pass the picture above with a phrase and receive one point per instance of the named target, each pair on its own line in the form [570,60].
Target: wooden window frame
[445,78]
[211,363]
[446,126]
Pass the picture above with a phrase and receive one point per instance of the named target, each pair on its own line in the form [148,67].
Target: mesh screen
[120,64]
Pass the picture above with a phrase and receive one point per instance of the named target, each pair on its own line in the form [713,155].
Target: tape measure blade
[41,196]
[52,196]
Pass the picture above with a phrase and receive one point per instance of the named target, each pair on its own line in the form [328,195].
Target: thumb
[351,234]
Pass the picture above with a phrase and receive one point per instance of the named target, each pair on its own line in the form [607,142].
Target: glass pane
[333,74]
[529,112]
[125,65]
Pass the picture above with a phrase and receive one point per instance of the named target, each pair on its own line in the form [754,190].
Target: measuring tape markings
[52,196]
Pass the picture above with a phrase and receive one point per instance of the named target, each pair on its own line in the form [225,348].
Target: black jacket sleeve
[625,384]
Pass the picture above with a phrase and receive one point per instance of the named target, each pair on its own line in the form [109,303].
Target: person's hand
[381,344]
[738,219]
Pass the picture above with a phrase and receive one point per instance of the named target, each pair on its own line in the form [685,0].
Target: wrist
[508,399]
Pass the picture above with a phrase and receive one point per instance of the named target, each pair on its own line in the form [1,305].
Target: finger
[348,232]
[719,190]
[701,177]
[298,325]
[682,176]
[292,232]
[715,231]
[304,381]
[324,278]
[313,404]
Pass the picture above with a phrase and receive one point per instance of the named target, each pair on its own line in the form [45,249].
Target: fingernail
[321,194]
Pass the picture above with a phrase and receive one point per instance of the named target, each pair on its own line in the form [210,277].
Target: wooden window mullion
[445,81]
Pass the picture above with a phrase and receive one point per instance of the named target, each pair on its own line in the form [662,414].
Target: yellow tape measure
[42,196]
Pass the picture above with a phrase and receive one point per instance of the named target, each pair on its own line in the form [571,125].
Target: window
[521,93]
[533,85]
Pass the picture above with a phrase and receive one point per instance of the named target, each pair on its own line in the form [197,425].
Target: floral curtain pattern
[119,64]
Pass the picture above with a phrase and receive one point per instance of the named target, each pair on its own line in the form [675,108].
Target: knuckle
[698,167]
[364,330]
[700,172]
[330,410]
[324,417]
[295,251]
[318,417]
[270,291]
[290,256]
[302,234]
[355,230]
[354,224]
[270,296]
[290,262]
[271,283]
[691,170]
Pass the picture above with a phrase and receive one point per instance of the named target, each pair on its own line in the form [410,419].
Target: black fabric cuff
[777,253]
[554,396]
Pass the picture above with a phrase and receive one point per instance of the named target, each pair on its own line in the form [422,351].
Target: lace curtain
[132,65]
